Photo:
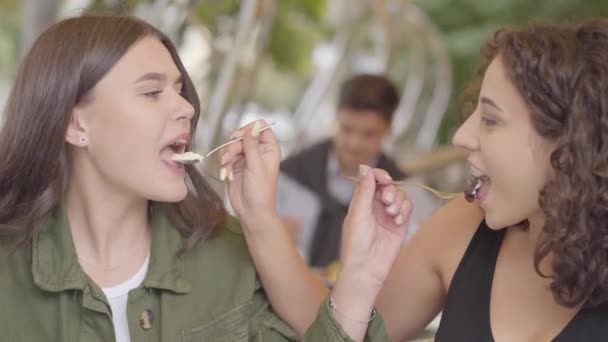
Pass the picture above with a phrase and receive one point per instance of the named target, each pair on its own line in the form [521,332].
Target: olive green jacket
[210,293]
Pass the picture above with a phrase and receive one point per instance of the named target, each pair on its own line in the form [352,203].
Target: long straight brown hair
[62,67]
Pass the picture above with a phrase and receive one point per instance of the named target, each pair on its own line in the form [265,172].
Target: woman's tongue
[167,153]
[486,183]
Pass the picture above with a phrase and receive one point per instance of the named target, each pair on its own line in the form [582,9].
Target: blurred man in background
[319,175]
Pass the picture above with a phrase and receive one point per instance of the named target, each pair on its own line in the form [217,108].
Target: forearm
[294,291]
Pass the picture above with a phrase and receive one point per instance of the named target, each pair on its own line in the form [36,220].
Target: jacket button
[146,319]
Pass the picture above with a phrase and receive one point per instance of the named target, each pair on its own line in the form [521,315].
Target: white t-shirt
[117,297]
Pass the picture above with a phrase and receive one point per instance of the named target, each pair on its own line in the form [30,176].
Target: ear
[76,133]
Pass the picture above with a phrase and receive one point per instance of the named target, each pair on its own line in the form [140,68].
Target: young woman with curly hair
[527,260]
[532,264]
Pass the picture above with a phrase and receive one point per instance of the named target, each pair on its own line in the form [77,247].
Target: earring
[83,140]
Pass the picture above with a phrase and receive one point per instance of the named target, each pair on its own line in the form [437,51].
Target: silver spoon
[193,157]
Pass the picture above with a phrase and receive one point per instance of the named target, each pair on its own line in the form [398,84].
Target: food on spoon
[186,157]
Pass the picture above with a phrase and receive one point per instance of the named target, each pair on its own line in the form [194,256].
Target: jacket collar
[55,265]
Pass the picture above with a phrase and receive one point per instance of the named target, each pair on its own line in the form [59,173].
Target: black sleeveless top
[466,314]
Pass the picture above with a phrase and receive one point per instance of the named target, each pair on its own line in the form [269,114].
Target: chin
[496,222]
[493,225]
[175,199]
[170,195]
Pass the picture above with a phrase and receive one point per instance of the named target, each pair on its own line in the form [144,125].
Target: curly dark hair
[561,71]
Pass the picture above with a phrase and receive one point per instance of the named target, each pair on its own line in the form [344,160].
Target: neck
[526,240]
[349,171]
[107,225]
[536,223]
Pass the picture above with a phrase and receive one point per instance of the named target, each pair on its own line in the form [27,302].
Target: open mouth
[176,147]
[478,184]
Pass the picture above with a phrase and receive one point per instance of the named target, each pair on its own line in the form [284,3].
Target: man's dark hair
[370,92]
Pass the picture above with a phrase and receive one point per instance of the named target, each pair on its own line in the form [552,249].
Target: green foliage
[209,11]
[10,27]
[298,27]
[313,10]
[121,7]
[466,24]
[290,44]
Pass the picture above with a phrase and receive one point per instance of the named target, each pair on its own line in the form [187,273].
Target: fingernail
[363,170]
[223,174]
[388,178]
[392,209]
[230,176]
[399,219]
[255,130]
[390,197]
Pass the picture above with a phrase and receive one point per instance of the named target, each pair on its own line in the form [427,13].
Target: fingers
[392,197]
[405,213]
[228,153]
[235,167]
[251,144]
[390,193]
[253,137]
[382,177]
[394,202]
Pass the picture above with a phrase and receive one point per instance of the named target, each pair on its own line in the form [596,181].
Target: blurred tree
[281,38]
[284,66]
[10,28]
[37,16]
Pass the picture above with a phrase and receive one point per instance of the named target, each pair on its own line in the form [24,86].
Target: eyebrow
[489,102]
[156,76]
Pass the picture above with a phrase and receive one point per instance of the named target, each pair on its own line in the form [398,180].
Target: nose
[352,143]
[183,109]
[466,136]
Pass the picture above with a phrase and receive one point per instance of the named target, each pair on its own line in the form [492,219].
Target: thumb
[363,197]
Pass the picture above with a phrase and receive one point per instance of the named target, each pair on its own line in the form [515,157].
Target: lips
[178,146]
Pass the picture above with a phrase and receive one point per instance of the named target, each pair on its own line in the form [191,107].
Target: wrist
[261,224]
[354,297]
[339,312]
[361,277]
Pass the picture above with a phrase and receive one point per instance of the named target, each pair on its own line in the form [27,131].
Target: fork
[440,194]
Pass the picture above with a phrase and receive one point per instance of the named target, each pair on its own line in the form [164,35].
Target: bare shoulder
[444,237]
[420,278]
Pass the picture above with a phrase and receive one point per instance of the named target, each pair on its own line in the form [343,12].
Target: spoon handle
[233,141]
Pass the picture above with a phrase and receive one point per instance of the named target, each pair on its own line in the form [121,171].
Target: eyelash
[488,122]
[153,94]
